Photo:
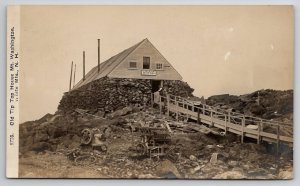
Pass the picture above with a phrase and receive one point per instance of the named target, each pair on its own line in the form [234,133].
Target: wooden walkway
[243,125]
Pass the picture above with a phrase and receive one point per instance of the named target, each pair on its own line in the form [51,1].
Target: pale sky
[216,49]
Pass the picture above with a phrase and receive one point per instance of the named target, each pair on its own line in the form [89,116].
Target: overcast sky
[216,49]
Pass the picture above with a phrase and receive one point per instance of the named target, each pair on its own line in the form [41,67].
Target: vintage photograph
[152,92]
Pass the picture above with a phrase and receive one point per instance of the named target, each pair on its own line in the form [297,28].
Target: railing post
[203,109]
[259,130]
[211,117]
[278,140]
[152,100]
[168,104]
[160,106]
[198,115]
[243,127]
[177,108]
[229,116]
[225,124]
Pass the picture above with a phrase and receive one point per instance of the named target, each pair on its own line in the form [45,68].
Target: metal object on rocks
[157,143]
[87,136]
[85,160]
[95,138]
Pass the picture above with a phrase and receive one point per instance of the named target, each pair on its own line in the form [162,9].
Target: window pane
[159,66]
[132,64]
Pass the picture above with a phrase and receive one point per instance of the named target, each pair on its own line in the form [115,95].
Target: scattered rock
[230,175]
[287,175]
[41,146]
[146,176]
[41,136]
[257,172]
[192,158]
[233,163]
[214,158]
[167,169]
[197,169]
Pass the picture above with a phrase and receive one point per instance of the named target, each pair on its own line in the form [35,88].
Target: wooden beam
[70,85]
[198,115]
[177,109]
[168,104]
[259,130]
[211,117]
[74,75]
[83,65]
[277,140]
[243,128]
[225,124]
[160,106]
[98,55]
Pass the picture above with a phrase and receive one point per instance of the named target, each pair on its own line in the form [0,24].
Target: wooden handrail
[231,121]
[222,111]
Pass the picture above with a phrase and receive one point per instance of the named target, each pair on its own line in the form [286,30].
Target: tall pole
[83,65]
[74,75]
[71,76]
[98,55]
[258,101]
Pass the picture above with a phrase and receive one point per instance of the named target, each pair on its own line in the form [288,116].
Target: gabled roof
[107,66]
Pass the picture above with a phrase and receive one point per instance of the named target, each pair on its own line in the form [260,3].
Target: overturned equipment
[157,143]
[94,138]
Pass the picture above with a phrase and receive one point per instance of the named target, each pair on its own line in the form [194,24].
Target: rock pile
[267,104]
[202,156]
[109,94]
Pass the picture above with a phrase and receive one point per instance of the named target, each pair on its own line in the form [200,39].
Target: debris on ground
[120,148]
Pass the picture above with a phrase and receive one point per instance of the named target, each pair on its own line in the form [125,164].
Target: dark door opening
[146,62]
[155,85]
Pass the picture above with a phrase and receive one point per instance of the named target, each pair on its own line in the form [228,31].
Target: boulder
[41,136]
[214,158]
[230,175]
[41,146]
[193,158]
[167,169]
[286,175]
[233,163]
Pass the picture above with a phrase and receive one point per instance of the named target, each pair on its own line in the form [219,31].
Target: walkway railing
[243,125]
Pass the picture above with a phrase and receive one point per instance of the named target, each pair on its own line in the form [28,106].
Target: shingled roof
[107,66]
[113,66]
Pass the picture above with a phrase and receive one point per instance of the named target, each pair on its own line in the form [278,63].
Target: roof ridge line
[137,45]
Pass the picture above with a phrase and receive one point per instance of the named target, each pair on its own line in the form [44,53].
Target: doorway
[155,85]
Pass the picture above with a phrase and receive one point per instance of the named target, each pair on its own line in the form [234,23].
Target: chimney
[74,75]
[83,65]
[71,76]
[98,55]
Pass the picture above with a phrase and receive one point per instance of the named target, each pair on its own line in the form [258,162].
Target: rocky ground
[266,104]
[46,144]
[117,109]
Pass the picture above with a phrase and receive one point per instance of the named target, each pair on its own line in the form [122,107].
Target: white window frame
[133,68]
[162,66]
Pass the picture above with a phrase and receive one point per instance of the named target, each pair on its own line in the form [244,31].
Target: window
[159,66]
[146,62]
[132,65]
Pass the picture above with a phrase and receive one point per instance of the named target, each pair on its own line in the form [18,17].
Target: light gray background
[91,182]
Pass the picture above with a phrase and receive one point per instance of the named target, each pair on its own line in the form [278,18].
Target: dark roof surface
[107,66]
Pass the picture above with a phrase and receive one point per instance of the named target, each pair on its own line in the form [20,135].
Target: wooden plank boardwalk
[243,125]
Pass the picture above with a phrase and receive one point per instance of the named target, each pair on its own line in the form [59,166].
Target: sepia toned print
[155,92]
